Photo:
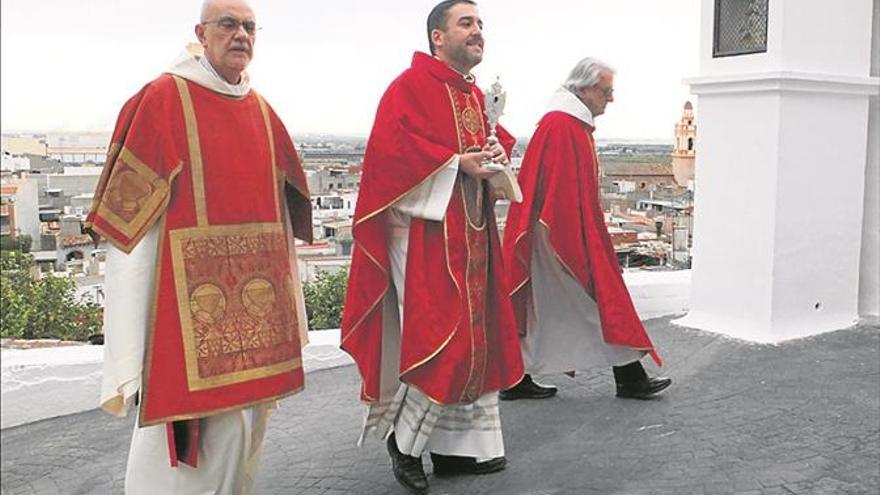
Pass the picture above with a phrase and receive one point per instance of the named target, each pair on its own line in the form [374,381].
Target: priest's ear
[437,40]
[200,33]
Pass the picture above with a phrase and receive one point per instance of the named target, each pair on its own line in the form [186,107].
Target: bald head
[211,8]
[227,32]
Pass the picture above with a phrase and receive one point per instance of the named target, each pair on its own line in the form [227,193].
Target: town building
[19,206]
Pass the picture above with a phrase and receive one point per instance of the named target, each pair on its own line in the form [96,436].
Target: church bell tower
[684,154]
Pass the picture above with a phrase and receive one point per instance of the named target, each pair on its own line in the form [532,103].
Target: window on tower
[740,27]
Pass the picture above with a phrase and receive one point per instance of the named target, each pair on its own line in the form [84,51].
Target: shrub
[324,299]
[42,309]
[21,243]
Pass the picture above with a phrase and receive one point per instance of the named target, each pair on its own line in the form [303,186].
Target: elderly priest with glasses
[201,198]
[573,310]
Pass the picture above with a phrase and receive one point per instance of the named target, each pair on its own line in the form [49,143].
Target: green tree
[324,299]
[42,309]
[17,287]
[20,243]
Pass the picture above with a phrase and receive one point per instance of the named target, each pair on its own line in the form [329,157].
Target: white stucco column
[781,173]
[869,281]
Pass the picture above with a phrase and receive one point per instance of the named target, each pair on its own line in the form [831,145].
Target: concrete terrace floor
[801,417]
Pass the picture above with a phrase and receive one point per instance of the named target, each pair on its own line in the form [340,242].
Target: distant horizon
[340,135]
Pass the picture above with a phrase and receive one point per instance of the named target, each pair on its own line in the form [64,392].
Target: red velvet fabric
[559,180]
[238,191]
[416,133]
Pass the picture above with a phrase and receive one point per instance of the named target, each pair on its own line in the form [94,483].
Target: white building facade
[788,163]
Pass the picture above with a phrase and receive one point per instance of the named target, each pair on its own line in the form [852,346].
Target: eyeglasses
[231,25]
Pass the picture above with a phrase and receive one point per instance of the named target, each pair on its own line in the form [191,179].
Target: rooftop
[801,417]
[611,168]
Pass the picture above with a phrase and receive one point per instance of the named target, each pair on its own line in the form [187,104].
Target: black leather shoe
[449,465]
[643,389]
[527,389]
[407,469]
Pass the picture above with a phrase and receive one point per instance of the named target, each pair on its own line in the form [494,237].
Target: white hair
[585,74]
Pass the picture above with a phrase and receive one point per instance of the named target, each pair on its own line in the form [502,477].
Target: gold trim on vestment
[470,307]
[473,386]
[461,146]
[471,227]
[112,153]
[366,314]
[268,123]
[157,205]
[522,261]
[398,198]
[467,270]
[457,324]
[373,259]
[433,354]
[370,400]
[375,303]
[455,328]
[555,254]
[147,177]
[458,112]
[520,286]
[254,309]
[435,401]
[212,412]
[467,214]
[231,234]
[468,222]
[195,152]
[572,275]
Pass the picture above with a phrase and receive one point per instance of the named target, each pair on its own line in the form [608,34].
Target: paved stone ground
[798,418]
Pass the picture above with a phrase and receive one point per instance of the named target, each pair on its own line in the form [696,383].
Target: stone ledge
[50,381]
[57,380]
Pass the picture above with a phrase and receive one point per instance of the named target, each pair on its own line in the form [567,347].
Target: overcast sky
[323,65]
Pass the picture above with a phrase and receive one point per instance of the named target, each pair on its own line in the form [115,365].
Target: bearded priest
[427,318]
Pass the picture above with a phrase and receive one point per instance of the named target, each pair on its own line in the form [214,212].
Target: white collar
[196,68]
[565,101]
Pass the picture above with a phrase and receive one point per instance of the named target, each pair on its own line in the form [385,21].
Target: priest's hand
[498,194]
[499,155]
[472,164]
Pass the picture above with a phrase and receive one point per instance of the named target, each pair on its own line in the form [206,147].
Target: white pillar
[869,282]
[780,174]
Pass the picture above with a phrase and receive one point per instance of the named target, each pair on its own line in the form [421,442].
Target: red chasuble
[559,180]
[213,172]
[459,338]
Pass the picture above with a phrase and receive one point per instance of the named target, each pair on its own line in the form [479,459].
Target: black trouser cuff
[629,373]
